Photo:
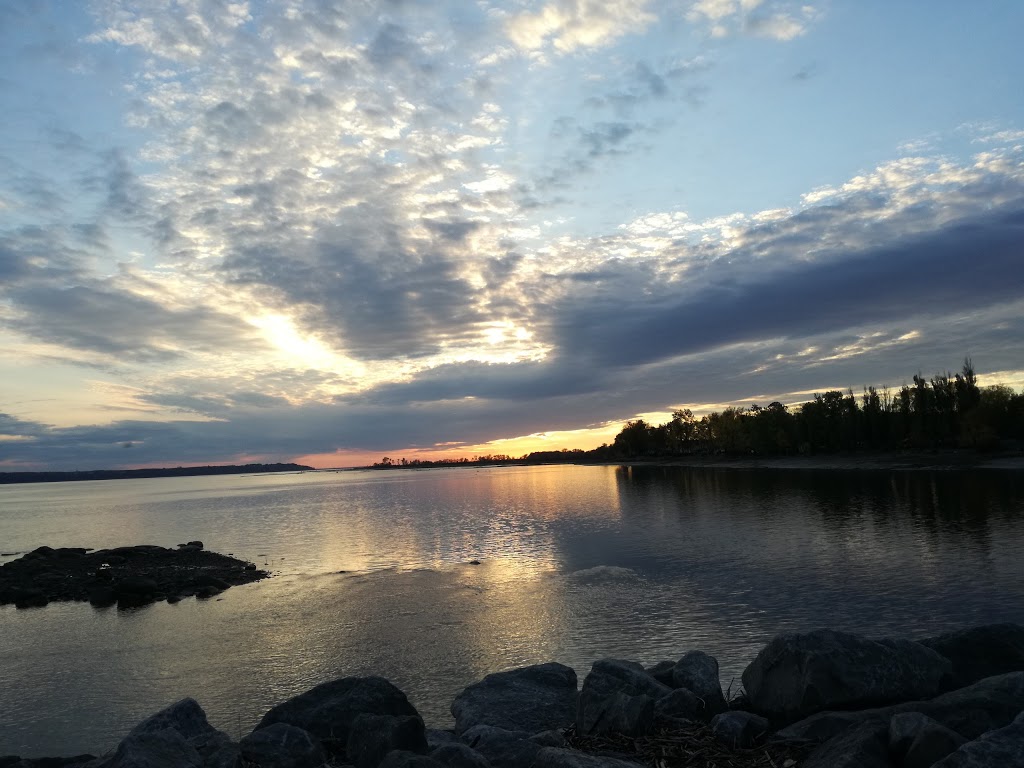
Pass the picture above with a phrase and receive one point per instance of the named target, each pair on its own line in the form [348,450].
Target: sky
[334,230]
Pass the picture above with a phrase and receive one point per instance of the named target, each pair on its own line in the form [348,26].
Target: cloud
[568,25]
[781,20]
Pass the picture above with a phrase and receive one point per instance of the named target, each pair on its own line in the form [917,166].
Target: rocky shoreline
[822,699]
[126,576]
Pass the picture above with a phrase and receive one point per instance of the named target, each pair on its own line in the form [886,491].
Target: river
[373,576]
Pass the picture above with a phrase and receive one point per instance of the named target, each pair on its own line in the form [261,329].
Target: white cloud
[567,25]
[781,20]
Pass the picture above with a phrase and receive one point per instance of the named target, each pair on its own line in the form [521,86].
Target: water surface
[372,576]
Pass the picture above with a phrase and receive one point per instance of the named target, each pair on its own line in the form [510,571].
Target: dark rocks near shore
[663,717]
[126,576]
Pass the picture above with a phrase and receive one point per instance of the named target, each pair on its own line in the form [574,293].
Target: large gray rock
[553,757]
[618,697]
[863,746]
[917,741]
[696,671]
[984,706]
[532,698]
[739,730]
[187,718]
[981,652]
[328,710]
[796,675]
[662,672]
[502,748]
[228,756]
[436,737]
[459,756]
[282,746]
[1003,748]
[371,737]
[153,749]
[680,704]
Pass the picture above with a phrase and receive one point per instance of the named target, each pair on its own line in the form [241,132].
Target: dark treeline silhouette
[948,411]
[128,474]
[944,412]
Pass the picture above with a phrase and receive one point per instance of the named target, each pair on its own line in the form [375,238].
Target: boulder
[133,591]
[618,697]
[1003,747]
[503,748]
[327,711]
[863,746]
[185,716]
[371,737]
[984,706]
[152,749]
[552,738]
[459,756]
[739,730]
[680,704]
[796,675]
[400,759]
[228,756]
[282,746]
[662,672]
[436,737]
[696,671]
[552,757]
[530,698]
[980,652]
[917,741]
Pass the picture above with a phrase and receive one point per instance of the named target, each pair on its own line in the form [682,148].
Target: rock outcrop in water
[127,576]
[535,717]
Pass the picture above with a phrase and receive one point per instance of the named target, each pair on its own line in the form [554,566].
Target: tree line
[945,411]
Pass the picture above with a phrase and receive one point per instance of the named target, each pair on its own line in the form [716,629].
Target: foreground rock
[1003,747]
[980,652]
[987,705]
[329,710]
[796,675]
[532,699]
[127,576]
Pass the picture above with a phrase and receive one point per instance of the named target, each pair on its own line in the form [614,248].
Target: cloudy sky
[332,230]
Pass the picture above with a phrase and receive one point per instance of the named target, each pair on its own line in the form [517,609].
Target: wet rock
[102,595]
[980,652]
[153,749]
[503,748]
[1003,747]
[457,755]
[136,575]
[29,598]
[917,741]
[552,757]
[739,730]
[531,698]
[282,746]
[796,675]
[698,672]
[371,737]
[863,746]
[328,710]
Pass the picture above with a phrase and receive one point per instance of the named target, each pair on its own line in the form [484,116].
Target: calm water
[578,563]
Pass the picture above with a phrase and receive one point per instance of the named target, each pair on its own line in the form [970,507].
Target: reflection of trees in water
[944,508]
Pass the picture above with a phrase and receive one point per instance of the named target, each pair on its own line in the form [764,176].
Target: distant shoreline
[909,461]
[129,474]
